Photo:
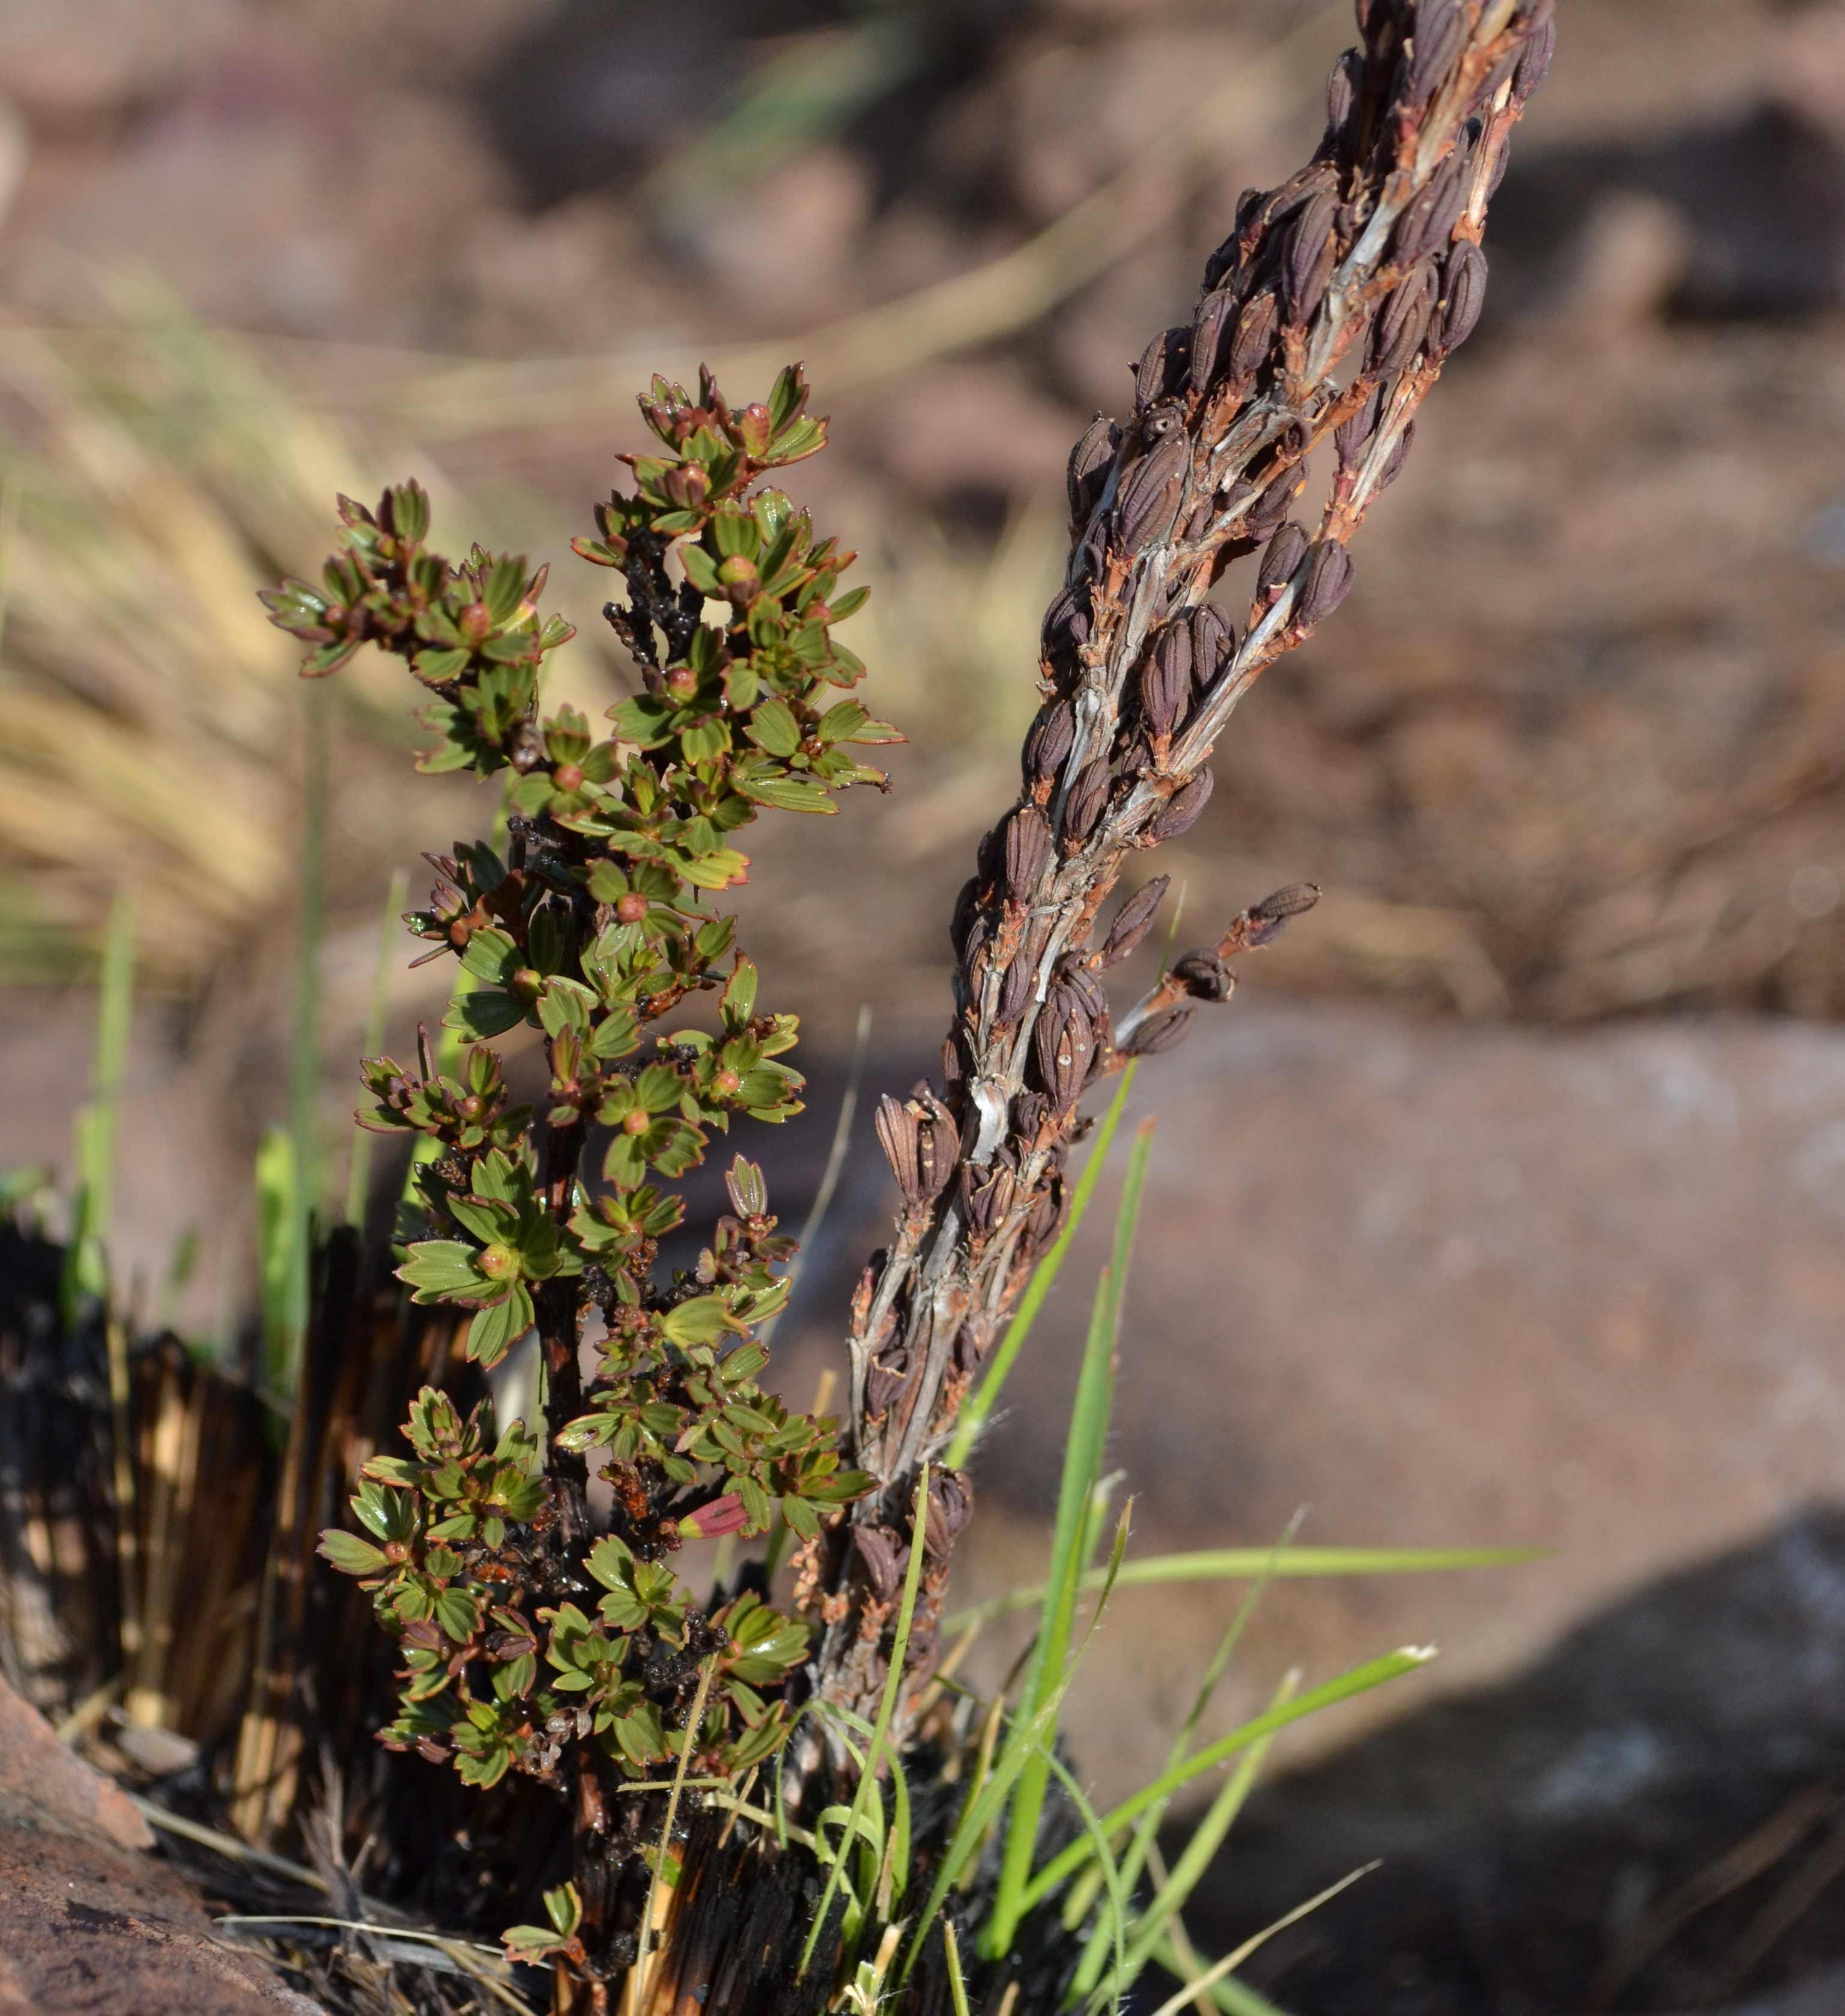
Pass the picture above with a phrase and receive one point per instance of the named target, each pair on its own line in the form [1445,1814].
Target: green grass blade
[1344,1686]
[1082,1463]
[980,1404]
[276,1187]
[893,1682]
[303,1063]
[98,1125]
[957,1981]
[1135,1859]
[1254,1563]
[1234,1997]
[1169,1899]
[981,1811]
[823,1197]
[1115,1919]
[1232,1960]
[648,1935]
[358,1170]
[893,1871]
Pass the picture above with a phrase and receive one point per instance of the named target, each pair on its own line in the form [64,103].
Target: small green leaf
[772,727]
[491,955]
[482,1014]
[564,1908]
[458,1614]
[349,1554]
[441,1269]
[499,1327]
[789,794]
[702,1320]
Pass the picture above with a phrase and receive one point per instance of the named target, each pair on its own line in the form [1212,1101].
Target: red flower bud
[752,427]
[740,582]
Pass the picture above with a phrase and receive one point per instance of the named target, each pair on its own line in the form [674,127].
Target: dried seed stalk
[1329,312]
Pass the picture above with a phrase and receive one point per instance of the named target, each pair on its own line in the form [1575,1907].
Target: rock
[1440,1286]
[34,1765]
[89,1926]
[1648,1818]
[86,1929]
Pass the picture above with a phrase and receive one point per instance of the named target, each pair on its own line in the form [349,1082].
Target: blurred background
[1504,1205]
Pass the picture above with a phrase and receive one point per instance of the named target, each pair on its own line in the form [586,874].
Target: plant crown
[533,1638]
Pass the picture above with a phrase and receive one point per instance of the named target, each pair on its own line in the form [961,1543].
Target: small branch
[1324,320]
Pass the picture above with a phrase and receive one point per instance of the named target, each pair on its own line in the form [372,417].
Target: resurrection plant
[542,1636]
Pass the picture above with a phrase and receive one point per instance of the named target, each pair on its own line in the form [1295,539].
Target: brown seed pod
[899,1130]
[1015,989]
[1089,460]
[1066,625]
[1438,38]
[1028,847]
[1210,332]
[1213,643]
[1284,552]
[1393,462]
[1254,337]
[938,1535]
[1428,219]
[1534,62]
[1133,920]
[1205,977]
[1304,305]
[1272,507]
[882,1385]
[1262,923]
[1165,679]
[981,1193]
[1342,90]
[950,1495]
[1148,500]
[1050,1207]
[1064,1044]
[1182,810]
[938,1143]
[1352,437]
[1290,902]
[1464,296]
[1402,320]
[1223,262]
[1048,742]
[1094,550]
[1090,991]
[1307,255]
[991,851]
[879,1553]
[1084,800]
[1030,1110]
[1161,1031]
[1328,581]
[1162,368]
